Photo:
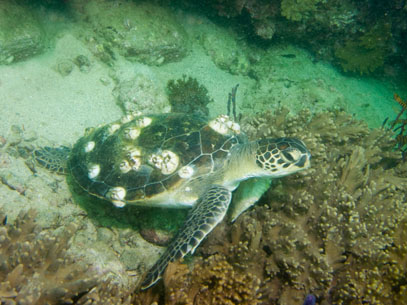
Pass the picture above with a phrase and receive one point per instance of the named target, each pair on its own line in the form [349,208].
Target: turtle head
[282,156]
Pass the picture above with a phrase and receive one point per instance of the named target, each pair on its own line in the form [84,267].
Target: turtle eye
[291,155]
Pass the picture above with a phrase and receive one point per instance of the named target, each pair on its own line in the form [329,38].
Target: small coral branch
[403,104]
[401,136]
[232,101]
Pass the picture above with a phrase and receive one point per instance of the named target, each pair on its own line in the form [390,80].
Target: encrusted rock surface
[20,37]
[142,32]
[141,93]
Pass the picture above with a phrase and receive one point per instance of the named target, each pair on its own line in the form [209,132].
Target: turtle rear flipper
[207,213]
[53,159]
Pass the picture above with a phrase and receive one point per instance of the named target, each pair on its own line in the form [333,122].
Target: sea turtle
[177,160]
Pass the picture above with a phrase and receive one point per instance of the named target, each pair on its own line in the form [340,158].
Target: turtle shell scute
[187,136]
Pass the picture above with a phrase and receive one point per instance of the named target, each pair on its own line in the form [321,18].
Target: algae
[366,53]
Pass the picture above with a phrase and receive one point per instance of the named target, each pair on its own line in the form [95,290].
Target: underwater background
[329,72]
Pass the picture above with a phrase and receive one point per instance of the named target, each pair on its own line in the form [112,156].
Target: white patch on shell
[113,128]
[188,189]
[186,172]
[89,146]
[93,171]
[236,127]
[144,122]
[134,155]
[135,163]
[124,166]
[134,152]
[135,113]
[131,133]
[166,161]
[224,125]
[116,195]
[127,118]
[118,203]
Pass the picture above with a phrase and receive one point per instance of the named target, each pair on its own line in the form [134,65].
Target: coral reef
[333,30]
[336,232]
[296,10]
[213,281]
[367,52]
[35,268]
[188,96]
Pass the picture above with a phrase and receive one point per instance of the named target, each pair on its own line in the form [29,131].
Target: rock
[64,67]
[21,35]
[105,235]
[83,63]
[225,51]
[105,81]
[141,94]
[142,32]
[16,135]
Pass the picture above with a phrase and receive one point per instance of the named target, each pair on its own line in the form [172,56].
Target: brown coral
[36,269]
[366,52]
[336,231]
[213,281]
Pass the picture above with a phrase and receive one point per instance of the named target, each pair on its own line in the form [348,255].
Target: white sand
[33,95]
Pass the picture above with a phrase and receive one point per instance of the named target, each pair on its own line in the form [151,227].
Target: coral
[188,96]
[224,284]
[401,123]
[368,51]
[336,232]
[213,281]
[35,268]
[295,10]
[353,219]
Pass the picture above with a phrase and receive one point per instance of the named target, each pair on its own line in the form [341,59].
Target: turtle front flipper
[206,214]
[53,159]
